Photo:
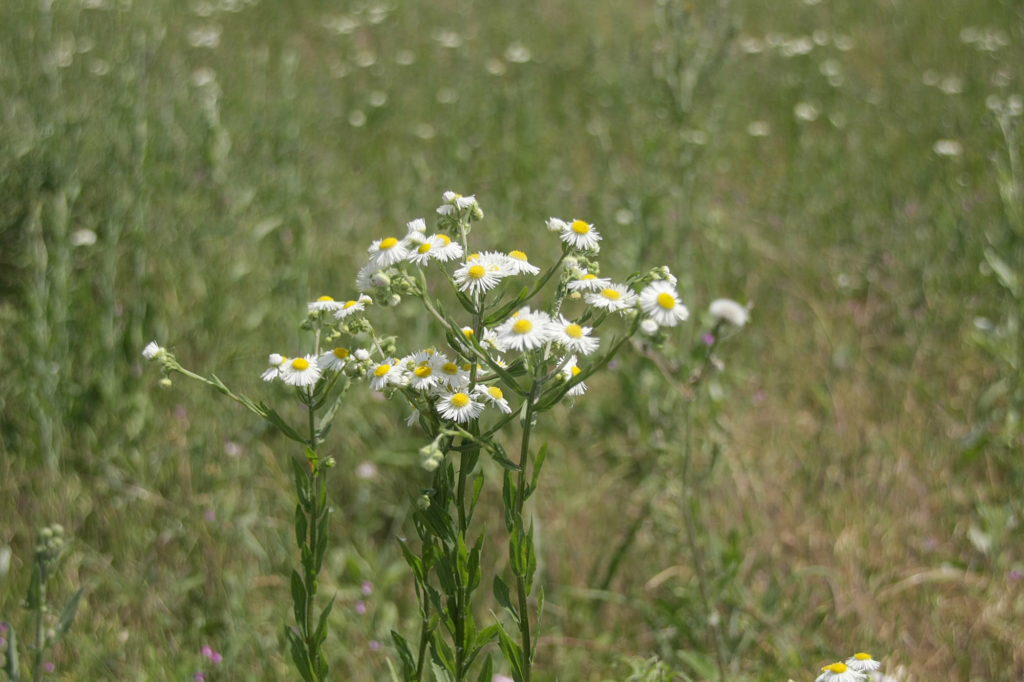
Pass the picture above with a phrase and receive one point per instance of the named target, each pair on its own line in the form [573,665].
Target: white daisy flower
[556,224]
[153,350]
[449,372]
[518,264]
[730,311]
[492,395]
[323,303]
[417,226]
[386,374]
[365,277]
[612,298]
[276,363]
[351,307]
[422,376]
[455,202]
[580,235]
[589,282]
[574,338]
[862,663]
[477,276]
[420,252]
[446,250]
[388,251]
[660,302]
[839,672]
[333,360]
[302,371]
[569,371]
[525,330]
[459,407]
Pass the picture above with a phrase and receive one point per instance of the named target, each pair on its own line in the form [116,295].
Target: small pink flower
[210,515]
[360,607]
[367,587]
[709,339]
[48,667]
[212,654]
[374,645]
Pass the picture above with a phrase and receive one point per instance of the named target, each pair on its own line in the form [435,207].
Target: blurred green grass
[233,160]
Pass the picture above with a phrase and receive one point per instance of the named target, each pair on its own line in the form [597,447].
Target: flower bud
[166,382]
[423,502]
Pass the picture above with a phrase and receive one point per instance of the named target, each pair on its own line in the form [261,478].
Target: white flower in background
[862,663]
[612,298]
[302,371]
[478,276]
[351,307]
[449,372]
[417,226]
[386,374]
[276,362]
[525,330]
[730,311]
[589,282]
[387,251]
[575,338]
[323,303]
[445,249]
[660,302]
[948,148]
[362,354]
[365,277]
[518,264]
[569,372]
[492,395]
[556,224]
[838,672]
[459,407]
[153,350]
[649,327]
[580,235]
[333,360]
[805,111]
[455,202]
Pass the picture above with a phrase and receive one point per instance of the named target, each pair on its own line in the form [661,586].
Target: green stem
[37,658]
[521,587]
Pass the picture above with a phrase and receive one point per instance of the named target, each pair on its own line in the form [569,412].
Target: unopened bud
[423,502]
[166,383]
[394,299]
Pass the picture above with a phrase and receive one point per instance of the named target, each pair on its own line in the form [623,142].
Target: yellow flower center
[666,301]
[424,247]
[381,370]
[423,371]
[588,276]
[300,364]
[574,331]
[836,668]
[495,392]
[580,227]
[522,327]
[460,400]
[325,298]
[386,244]
[445,239]
[467,332]
[477,272]
[518,255]
[472,256]
[349,304]
[466,366]
[862,657]
[341,353]
[575,370]
[450,368]
[611,294]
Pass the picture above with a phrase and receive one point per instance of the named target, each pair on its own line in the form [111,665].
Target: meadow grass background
[194,172]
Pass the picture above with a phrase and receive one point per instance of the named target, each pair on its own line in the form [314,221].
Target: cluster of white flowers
[460,387]
[857,668]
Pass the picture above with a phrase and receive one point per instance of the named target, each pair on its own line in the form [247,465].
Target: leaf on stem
[298,651]
[513,653]
[321,627]
[299,601]
[503,597]
[487,671]
[67,616]
[405,654]
[538,464]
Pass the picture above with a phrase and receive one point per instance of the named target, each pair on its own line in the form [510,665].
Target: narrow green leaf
[473,568]
[321,627]
[299,474]
[503,597]
[67,616]
[529,559]
[415,563]
[487,671]
[485,636]
[275,419]
[513,653]
[442,653]
[299,600]
[1004,272]
[538,464]
[298,651]
[33,600]
[508,498]
[300,525]
[405,654]
[440,673]
[394,673]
